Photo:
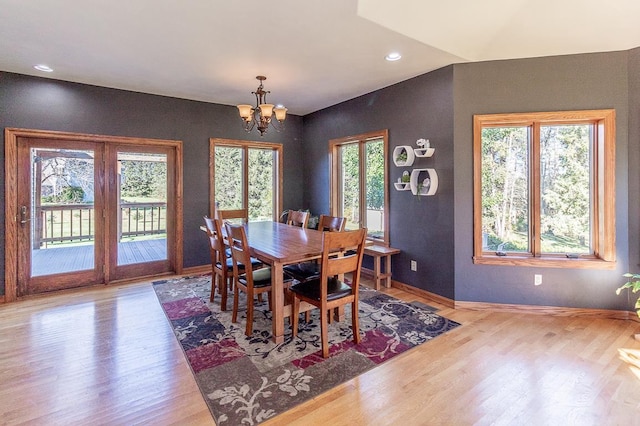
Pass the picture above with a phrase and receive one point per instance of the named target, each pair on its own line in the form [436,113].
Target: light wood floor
[107,355]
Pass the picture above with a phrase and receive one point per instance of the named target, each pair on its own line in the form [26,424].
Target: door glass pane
[350,185]
[62,224]
[505,207]
[142,210]
[261,184]
[375,188]
[565,189]
[228,177]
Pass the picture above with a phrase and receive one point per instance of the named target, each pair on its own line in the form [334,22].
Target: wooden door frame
[11,179]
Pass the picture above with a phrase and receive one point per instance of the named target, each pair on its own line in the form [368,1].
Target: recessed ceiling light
[43,68]
[393,56]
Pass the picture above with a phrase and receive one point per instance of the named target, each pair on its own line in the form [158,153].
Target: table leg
[278,302]
[387,271]
[376,271]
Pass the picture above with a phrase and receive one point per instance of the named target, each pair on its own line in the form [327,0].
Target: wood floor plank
[107,355]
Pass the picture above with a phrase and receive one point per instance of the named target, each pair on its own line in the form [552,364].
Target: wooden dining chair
[254,282]
[221,264]
[341,254]
[311,270]
[236,216]
[298,218]
[331,223]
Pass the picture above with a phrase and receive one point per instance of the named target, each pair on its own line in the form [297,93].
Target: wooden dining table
[278,244]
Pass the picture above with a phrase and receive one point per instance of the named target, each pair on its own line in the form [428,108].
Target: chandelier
[261,115]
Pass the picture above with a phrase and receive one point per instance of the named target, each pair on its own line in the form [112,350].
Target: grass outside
[518,242]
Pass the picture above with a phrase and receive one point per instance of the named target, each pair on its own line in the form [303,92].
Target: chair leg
[324,325]
[249,328]
[295,313]
[214,281]
[222,285]
[307,316]
[236,294]
[355,322]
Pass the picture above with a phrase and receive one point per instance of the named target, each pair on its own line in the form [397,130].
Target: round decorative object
[403,156]
[424,181]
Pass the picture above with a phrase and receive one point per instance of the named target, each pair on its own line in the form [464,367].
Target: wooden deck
[79,258]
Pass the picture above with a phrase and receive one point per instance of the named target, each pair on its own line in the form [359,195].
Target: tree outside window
[358,184]
[246,176]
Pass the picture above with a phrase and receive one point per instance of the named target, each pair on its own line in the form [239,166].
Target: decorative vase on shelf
[424,149]
[427,184]
[404,182]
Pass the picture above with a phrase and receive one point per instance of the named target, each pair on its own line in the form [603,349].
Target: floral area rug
[246,380]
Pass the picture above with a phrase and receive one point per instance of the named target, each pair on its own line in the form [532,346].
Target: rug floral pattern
[246,380]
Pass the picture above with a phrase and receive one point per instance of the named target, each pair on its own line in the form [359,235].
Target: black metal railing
[143,219]
[73,223]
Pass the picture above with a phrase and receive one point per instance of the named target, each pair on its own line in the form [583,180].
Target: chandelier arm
[278,125]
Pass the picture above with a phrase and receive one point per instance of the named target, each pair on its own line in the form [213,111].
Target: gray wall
[421,227]
[440,106]
[592,81]
[38,103]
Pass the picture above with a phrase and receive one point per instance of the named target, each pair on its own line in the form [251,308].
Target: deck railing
[66,223]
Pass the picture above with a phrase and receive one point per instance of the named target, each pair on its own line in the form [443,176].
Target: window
[359,189]
[544,189]
[246,178]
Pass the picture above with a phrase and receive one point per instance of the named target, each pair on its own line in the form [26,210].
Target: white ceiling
[314,53]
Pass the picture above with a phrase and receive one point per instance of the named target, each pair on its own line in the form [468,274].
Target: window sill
[545,262]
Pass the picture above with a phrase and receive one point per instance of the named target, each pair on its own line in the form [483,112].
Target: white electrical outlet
[537,279]
[414,265]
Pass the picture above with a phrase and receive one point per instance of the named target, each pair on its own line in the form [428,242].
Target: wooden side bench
[378,252]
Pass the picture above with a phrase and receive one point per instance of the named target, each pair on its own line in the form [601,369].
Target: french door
[141,208]
[60,187]
[85,209]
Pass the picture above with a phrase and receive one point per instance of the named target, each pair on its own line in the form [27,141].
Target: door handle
[23,215]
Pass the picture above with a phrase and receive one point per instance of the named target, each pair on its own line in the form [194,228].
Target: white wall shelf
[424,181]
[402,186]
[403,150]
[424,152]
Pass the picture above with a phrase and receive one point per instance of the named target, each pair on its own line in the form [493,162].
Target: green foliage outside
[229,177]
[374,183]
[68,195]
[144,179]
[375,175]
[261,184]
[350,157]
[564,188]
[142,182]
